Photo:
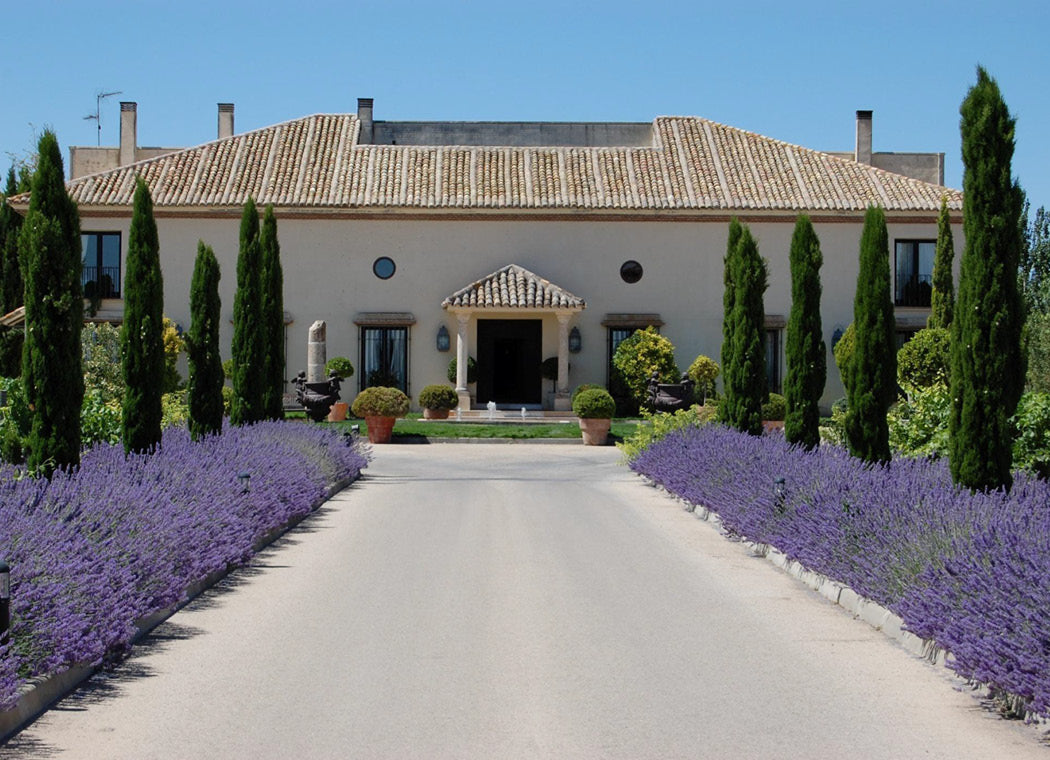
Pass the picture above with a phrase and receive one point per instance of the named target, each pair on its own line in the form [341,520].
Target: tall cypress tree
[249,346]
[204,394]
[805,354]
[745,377]
[11,285]
[141,337]
[987,364]
[49,243]
[272,317]
[728,295]
[872,374]
[942,300]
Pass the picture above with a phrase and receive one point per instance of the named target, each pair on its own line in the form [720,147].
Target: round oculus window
[631,271]
[384,267]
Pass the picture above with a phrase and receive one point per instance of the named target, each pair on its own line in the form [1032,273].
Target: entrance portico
[507,295]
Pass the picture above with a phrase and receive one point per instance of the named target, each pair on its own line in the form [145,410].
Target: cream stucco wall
[328,275]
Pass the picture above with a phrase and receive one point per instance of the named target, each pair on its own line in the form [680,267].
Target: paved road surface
[518,601]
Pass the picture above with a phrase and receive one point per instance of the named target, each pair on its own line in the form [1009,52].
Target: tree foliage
[11,286]
[141,338]
[643,354]
[204,394]
[745,368]
[704,371]
[249,343]
[272,318]
[805,353]
[49,243]
[925,359]
[1034,269]
[729,291]
[987,364]
[871,377]
[942,299]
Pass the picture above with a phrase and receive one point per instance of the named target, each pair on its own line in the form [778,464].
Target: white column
[462,358]
[561,396]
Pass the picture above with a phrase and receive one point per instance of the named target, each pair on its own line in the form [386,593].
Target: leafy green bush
[661,424]
[100,419]
[11,444]
[340,366]
[175,411]
[227,400]
[438,397]
[472,371]
[918,423]
[638,357]
[100,355]
[775,407]
[594,404]
[703,372]
[173,346]
[833,428]
[380,401]
[1037,340]
[584,387]
[844,350]
[1032,444]
[924,360]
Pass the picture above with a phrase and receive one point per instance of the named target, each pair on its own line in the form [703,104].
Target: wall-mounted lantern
[442,339]
[575,341]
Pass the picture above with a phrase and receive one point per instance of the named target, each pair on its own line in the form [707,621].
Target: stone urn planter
[380,407]
[437,401]
[595,408]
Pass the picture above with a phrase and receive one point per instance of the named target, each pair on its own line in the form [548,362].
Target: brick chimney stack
[128,132]
[225,120]
[863,151]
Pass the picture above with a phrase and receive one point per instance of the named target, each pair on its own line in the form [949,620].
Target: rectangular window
[914,269]
[773,360]
[384,356]
[100,275]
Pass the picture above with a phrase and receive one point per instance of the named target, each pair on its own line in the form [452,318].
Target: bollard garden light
[5,601]
[245,479]
[778,494]
[355,429]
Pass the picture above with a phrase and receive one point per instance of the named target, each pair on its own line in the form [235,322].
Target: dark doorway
[509,361]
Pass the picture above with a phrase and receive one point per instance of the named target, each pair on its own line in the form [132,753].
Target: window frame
[920,297]
[386,345]
[115,291]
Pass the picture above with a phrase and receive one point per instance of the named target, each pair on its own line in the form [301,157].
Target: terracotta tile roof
[513,287]
[693,164]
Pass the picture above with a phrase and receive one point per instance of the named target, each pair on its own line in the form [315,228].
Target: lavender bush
[94,550]
[970,571]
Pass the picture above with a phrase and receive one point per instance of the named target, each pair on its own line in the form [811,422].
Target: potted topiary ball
[380,407]
[595,408]
[437,401]
[341,367]
[773,413]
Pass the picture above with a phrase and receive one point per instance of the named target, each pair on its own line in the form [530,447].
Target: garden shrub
[919,422]
[438,397]
[843,351]
[380,401]
[775,407]
[340,366]
[175,411]
[703,372]
[11,443]
[641,355]
[1037,343]
[660,424]
[967,570]
[924,360]
[595,404]
[584,387]
[173,346]
[100,355]
[100,420]
[1032,444]
[472,371]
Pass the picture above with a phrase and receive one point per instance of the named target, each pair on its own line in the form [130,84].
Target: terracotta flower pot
[380,429]
[772,426]
[338,411]
[595,432]
[435,414]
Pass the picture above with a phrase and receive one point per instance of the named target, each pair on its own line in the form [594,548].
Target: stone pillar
[316,353]
[128,132]
[562,400]
[462,359]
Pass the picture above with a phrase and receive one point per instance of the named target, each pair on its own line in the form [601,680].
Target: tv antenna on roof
[97,116]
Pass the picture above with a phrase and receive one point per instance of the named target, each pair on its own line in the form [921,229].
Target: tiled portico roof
[513,287]
[693,164]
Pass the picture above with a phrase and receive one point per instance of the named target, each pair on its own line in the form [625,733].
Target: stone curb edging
[544,441]
[39,694]
[872,613]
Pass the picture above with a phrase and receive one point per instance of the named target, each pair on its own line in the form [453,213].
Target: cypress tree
[204,394]
[272,317]
[872,374]
[745,377]
[249,347]
[942,300]
[49,243]
[141,337]
[805,354]
[11,285]
[987,364]
[728,295]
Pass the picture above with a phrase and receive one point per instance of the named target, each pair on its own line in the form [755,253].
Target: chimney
[364,115]
[225,120]
[128,136]
[863,152]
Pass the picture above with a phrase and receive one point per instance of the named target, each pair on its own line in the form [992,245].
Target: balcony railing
[108,286]
[914,291]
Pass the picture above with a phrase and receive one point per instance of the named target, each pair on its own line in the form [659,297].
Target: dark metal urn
[317,398]
[670,397]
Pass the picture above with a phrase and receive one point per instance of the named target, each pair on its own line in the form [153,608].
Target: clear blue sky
[796,71]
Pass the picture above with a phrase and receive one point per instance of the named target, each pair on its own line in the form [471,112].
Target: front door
[509,361]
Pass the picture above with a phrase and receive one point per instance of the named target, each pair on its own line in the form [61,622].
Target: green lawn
[413,427]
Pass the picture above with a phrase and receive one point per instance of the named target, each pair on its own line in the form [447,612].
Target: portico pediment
[513,288]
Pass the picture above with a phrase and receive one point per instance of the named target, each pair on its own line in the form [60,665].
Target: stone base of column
[562,402]
[464,400]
